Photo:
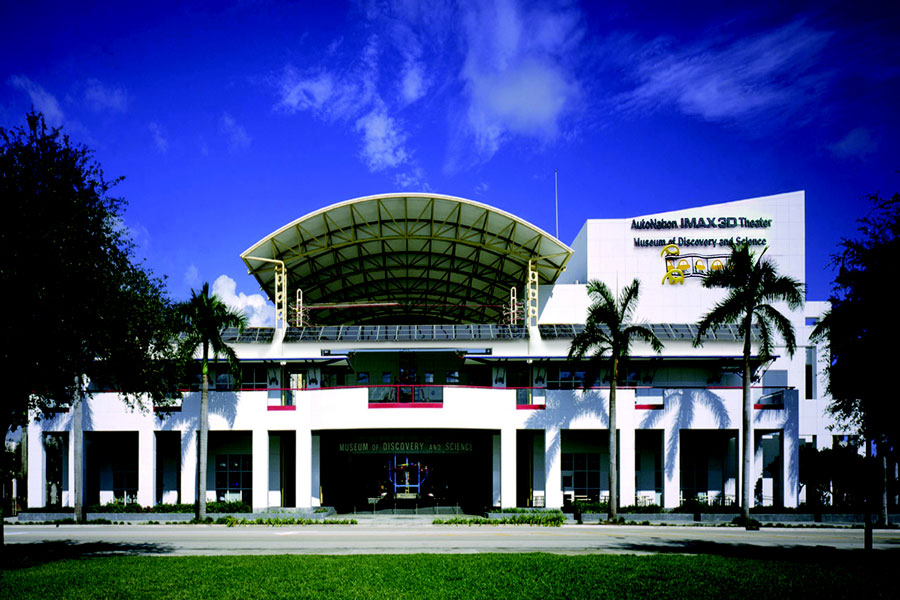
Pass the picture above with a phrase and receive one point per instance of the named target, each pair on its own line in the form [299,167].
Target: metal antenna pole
[556,198]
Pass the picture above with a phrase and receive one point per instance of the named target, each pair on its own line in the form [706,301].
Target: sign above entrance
[422,446]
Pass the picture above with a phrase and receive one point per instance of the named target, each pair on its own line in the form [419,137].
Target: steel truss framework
[428,258]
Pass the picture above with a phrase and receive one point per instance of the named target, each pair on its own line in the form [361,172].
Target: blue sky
[229,121]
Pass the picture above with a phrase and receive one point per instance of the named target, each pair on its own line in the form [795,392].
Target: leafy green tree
[860,334]
[607,336]
[752,284]
[204,317]
[79,305]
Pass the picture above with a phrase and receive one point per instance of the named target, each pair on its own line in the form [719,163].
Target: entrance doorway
[376,470]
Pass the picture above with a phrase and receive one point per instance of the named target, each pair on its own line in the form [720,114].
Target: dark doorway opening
[406,470]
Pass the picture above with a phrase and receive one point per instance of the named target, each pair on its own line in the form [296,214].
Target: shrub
[118,507]
[553,518]
[649,509]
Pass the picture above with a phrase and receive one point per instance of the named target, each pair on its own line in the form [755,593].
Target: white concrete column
[315,479]
[37,467]
[626,466]
[671,468]
[260,449]
[552,468]
[791,448]
[146,494]
[790,454]
[304,474]
[68,491]
[508,468]
[495,470]
[189,466]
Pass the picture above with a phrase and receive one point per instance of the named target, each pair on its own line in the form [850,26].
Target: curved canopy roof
[406,259]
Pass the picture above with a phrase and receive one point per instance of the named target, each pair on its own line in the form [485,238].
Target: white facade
[490,425]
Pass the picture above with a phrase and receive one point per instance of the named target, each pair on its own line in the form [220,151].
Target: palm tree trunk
[204,435]
[747,425]
[613,458]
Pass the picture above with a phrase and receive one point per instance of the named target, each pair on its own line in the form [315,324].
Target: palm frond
[782,288]
[822,330]
[783,326]
[729,310]
[643,333]
[765,338]
[628,301]
[608,331]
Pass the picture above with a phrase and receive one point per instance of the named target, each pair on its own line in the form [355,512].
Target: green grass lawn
[467,576]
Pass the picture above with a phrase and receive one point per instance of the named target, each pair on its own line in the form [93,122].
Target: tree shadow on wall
[788,420]
[682,404]
[221,404]
[564,407]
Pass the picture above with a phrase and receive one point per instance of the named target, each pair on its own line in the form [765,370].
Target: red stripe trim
[530,407]
[649,406]
[406,405]
[279,407]
[769,406]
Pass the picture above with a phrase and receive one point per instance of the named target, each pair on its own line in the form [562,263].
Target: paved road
[422,537]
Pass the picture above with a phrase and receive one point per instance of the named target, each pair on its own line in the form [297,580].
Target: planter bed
[143,517]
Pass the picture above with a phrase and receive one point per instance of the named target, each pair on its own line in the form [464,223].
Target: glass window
[362,378]
[452,376]
[234,477]
[582,474]
[254,377]
[386,377]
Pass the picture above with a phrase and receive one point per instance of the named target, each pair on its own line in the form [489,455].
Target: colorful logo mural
[682,266]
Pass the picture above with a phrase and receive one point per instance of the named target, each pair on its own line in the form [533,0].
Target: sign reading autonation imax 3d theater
[683,266]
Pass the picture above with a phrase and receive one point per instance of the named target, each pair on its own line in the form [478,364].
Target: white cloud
[382,141]
[515,72]
[341,92]
[43,101]
[413,84]
[100,97]
[258,311]
[766,73]
[159,138]
[304,93]
[234,132]
[858,143]
[413,180]
[192,276]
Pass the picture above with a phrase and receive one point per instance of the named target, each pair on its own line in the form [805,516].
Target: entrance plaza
[419,360]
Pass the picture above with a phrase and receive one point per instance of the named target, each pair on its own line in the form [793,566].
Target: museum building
[419,359]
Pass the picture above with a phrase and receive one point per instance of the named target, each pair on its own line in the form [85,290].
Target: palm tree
[607,337]
[205,317]
[753,283]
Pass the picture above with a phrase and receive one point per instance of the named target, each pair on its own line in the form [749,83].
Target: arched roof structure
[406,259]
